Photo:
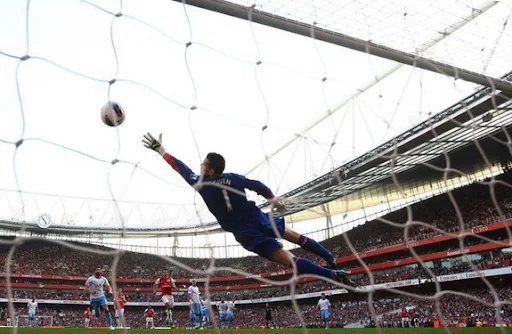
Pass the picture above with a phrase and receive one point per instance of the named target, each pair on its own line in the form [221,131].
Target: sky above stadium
[255,94]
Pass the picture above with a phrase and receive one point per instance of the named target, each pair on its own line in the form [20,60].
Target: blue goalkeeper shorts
[257,236]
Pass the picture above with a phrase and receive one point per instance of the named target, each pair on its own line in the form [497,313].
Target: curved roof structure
[282,108]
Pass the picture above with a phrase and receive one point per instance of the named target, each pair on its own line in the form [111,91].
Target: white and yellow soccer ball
[113,114]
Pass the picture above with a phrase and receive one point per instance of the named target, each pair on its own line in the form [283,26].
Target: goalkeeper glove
[279,206]
[154,144]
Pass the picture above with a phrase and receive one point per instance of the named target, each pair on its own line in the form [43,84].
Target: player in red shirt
[8,318]
[119,301]
[149,313]
[405,317]
[87,317]
[166,285]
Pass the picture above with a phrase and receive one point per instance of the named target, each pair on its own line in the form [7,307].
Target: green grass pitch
[487,330]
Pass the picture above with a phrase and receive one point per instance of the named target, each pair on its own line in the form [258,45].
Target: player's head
[33,300]
[119,291]
[97,272]
[266,305]
[322,295]
[165,273]
[193,282]
[213,165]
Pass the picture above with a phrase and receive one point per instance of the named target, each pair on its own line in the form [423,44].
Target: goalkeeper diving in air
[250,226]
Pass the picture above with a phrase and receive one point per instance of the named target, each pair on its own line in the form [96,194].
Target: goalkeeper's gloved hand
[154,144]
[279,206]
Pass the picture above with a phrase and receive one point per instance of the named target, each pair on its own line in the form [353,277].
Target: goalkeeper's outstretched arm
[178,165]
[261,189]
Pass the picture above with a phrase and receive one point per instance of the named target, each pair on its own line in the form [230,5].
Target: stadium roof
[466,123]
[286,109]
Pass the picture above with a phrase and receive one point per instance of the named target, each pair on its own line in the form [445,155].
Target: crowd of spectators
[489,260]
[475,206]
[454,310]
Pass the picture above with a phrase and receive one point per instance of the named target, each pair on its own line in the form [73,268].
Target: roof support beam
[301,28]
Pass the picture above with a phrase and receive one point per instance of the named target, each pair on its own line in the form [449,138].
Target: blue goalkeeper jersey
[230,209]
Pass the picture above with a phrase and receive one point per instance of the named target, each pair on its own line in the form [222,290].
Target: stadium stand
[343,312]
[474,202]
[50,272]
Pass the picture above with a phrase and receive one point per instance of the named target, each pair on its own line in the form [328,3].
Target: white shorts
[168,299]
[405,319]
[119,312]
[149,319]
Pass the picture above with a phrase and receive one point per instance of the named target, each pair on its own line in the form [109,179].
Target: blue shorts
[229,316]
[222,315]
[256,235]
[204,312]
[96,303]
[31,315]
[196,309]
[324,314]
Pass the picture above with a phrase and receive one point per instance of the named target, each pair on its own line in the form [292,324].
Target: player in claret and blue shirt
[250,226]
[95,285]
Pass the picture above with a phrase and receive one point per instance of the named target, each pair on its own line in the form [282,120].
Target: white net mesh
[296,113]
[413,27]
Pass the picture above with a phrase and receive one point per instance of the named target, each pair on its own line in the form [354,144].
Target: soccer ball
[112,114]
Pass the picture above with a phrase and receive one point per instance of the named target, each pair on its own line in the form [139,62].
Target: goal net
[382,127]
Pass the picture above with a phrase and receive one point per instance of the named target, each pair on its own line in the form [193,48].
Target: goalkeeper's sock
[307,267]
[315,248]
